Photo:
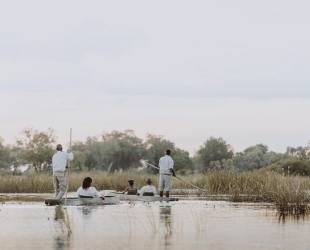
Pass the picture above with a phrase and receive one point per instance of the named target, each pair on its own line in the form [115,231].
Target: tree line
[123,150]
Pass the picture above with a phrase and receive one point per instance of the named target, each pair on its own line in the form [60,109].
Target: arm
[125,190]
[171,167]
[141,192]
[70,156]
[96,193]
[172,171]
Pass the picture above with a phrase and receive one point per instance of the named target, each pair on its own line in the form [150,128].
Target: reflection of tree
[166,220]
[63,229]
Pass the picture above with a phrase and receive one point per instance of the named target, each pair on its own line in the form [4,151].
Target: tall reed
[288,192]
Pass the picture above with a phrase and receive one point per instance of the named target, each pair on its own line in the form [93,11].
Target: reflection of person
[130,189]
[87,191]
[149,189]
[166,219]
[59,162]
[165,170]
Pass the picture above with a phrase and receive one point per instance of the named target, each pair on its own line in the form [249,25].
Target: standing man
[165,171]
[59,167]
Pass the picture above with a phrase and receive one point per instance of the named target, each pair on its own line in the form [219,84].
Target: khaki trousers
[59,180]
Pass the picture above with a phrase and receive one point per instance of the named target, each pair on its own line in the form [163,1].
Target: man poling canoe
[166,171]
[203,190]
[59,162]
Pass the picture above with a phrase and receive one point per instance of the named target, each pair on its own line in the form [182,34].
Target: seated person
[148,190]
[87,191]
[131,190]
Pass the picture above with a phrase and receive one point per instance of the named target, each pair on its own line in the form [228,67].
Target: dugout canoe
[125,197]
[108,200]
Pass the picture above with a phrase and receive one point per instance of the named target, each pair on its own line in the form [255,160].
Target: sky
[187,70]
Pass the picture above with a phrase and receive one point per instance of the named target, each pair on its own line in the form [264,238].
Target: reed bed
[289,193]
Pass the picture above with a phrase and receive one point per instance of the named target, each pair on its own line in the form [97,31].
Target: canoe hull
[114,200]
[125,197]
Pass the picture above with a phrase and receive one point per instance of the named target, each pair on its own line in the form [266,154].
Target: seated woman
[131,190]
[87,191]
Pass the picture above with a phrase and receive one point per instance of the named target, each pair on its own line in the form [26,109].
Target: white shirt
[148,189]
[165,164]
[91,191]
[59,160]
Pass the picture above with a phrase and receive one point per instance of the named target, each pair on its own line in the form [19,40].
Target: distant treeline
[116,151]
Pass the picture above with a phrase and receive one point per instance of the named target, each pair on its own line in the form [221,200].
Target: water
[161,225]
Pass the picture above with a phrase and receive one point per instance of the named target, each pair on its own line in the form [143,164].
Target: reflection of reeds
[151,219]
[61,215]
[196,220]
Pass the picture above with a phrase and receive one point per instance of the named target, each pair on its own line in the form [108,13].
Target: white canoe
[125,197]
[110,200]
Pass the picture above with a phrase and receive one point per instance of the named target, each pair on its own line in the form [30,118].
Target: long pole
[179,178]
[69,166]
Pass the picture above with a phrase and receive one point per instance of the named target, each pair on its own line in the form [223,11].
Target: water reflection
[282,217]
[62,228]
[87,211]
[166,222]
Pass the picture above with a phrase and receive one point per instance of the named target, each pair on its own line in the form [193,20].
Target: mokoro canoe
[108,200]
[125,197]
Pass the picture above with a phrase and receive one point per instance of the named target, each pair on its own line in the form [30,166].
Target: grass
[287,192]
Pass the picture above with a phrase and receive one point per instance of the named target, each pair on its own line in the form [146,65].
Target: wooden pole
[69,166]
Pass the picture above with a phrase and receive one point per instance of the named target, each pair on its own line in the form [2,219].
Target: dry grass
[287,192]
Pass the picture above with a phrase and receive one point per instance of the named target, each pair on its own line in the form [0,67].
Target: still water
[160,225]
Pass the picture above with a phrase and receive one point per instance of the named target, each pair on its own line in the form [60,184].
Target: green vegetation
[255,174]
[291,166]
[118,150]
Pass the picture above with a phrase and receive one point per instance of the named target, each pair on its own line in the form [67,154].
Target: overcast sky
[187,70]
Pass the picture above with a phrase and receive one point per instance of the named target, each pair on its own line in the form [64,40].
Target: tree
[291,166]
[297,152]
[79,160]
[156,146]
[38,147]
[111,151]
[256,157]
[123,150]
[5,156]
[86,158]
[214,149]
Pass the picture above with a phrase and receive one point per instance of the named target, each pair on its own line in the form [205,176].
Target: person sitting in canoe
[87,191]
[131,190]
[148,190]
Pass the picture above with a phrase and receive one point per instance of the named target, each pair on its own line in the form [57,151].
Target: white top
[59,160]
[165,164]
[91,191]
[148,189]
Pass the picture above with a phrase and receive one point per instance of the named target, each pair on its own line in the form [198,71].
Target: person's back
[130,190]
[149,188]
[165,164]
[87,190]
[90,192]
[59,162]
[166,171]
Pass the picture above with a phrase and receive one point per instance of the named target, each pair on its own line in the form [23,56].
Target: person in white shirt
[165,170]
[59,162]
[87,191]
[148,189]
